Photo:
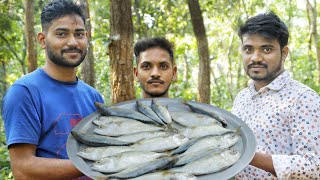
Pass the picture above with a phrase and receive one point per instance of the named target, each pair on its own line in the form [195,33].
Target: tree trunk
[87,66]
[203,51]
[121,51]
[313,13]
[30,36]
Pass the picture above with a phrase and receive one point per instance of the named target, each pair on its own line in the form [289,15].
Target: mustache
[257,64]
[155,80]
[71,50]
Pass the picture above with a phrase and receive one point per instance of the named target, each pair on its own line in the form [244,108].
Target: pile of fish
[153,143]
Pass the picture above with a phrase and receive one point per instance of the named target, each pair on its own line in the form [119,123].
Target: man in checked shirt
[283,113]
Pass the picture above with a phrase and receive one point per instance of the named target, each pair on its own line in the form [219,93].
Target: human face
[155,72]
[263,59]
[65,41]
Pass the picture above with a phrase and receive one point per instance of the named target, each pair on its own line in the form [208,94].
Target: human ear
[42,39]
[174,76]
[135,73]
[285,51]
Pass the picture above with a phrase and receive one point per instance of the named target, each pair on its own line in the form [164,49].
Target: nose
[155,73]
[72,41]
[256,56]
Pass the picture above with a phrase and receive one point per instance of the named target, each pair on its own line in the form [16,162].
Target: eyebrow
[263,46]
[65,29]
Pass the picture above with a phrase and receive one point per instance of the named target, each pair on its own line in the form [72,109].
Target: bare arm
[263,161]
[25,165]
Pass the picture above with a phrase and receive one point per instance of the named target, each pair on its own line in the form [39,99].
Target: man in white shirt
[283,113]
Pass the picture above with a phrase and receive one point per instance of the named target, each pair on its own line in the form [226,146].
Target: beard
[58,59]
[154,94]
[268,76]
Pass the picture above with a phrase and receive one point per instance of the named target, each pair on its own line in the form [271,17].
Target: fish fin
[238,131]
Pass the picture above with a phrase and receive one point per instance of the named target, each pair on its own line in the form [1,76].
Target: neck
[145,95]
[64,74]
[260,84]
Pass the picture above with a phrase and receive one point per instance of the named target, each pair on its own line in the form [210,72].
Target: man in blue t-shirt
[40,109]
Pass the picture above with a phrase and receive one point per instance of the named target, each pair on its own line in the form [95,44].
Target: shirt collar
[277,84]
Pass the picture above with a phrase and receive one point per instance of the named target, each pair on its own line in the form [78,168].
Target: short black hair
[148,43]
[269,25]
[56,9]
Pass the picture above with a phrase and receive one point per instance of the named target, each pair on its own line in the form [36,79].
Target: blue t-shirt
[40,110]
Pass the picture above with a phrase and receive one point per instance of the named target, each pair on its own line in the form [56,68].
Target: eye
[267,49]
[247,49]
[164,66]
[60,34]
[80,35]
[145,66]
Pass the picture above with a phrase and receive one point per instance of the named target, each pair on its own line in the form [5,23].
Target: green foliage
[5,170]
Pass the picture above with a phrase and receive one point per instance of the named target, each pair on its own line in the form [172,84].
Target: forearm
[45,168]
[263,161]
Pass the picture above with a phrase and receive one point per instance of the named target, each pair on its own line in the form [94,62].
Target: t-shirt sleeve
[20,116]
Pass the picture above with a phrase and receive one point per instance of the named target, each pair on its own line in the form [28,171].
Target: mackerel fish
[161,111]
[165,175]
[122,112]
[110,119]
[182,160]
[210,111]
[135,137]
[209,164]
[124,160]
[97,140]
[97,153]
[200,131]
[191,119]
[224,141]
[146,110]
[160,144]
[125,128]
[143,168]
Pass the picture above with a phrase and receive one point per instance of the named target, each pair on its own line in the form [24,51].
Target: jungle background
[207,51]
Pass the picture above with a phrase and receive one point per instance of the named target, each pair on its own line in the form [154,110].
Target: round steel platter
[247,144]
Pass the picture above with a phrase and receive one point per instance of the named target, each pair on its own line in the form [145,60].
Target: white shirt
[285,118]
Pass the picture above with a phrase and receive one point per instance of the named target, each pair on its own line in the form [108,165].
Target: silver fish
[164,175]
[124,160]
[222,142]
[143,168]
[212,111]
[186,145]
[110,119]
[97,153]
[209,164]
[161,111]
[160,144]
[135,137]
[125,128]
[200,131]
[97,140]
[182,160]
[122,112]
[146,110]
[191,119]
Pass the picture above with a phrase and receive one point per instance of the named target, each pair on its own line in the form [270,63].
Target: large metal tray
[247,144]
